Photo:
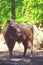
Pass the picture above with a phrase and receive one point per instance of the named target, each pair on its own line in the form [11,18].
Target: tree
[13,9]
[21,10]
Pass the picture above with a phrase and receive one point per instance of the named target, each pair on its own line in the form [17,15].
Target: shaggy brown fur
[14,31]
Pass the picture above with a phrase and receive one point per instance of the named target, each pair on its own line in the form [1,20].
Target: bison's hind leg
[25,48]
[31,49]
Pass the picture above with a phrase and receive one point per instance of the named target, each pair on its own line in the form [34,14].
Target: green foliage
[29,10]
[33,10]
[5,10]
[25,10]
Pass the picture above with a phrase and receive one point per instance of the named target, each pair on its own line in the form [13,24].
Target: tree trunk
[13,8]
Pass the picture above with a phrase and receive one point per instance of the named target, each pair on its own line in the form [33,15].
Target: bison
[20,32]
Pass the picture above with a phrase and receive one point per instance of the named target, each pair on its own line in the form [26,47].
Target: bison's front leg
[10,45]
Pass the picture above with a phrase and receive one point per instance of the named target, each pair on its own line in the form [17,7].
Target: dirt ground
[17,58]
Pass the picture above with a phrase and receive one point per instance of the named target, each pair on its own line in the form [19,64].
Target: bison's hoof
[31,55]
[24,55]
[11,55]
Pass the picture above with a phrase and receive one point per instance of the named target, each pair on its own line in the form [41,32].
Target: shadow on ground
[18,59]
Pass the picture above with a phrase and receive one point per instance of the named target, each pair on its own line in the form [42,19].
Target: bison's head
[18,29]
[16,26]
